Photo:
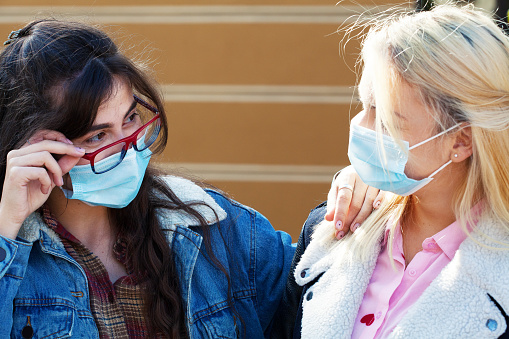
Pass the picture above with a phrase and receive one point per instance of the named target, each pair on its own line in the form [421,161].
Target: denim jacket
[44,292]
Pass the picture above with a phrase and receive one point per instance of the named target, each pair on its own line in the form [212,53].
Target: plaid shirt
[117,307]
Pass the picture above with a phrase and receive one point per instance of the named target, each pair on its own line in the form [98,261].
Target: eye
[95,138]
[133,117]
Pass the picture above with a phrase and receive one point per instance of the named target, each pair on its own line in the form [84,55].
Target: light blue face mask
[115,188]
[366,158]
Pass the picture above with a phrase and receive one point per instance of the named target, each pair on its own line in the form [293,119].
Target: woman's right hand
[31,174]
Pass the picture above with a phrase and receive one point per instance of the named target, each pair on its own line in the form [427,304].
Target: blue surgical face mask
[115,188]
[367,158]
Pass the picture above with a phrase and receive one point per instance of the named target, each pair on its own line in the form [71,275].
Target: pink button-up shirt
[391,293]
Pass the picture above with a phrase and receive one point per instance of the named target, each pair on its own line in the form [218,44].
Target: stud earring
[455,155]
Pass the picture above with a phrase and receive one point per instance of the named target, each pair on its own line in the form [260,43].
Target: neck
[432,207]
[89,224]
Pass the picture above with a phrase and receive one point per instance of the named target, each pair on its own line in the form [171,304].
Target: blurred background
[259,93]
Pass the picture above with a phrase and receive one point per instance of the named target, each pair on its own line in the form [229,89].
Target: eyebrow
[400,116]
[108,125]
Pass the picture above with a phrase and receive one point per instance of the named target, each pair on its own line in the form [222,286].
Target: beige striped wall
[258,95]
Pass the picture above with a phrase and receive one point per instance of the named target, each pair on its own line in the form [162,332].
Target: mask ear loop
[439,169]
[433,137]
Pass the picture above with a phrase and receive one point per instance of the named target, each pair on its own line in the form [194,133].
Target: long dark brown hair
[54,75]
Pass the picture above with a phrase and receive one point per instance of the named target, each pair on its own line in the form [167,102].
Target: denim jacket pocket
[218,324]
[42,318]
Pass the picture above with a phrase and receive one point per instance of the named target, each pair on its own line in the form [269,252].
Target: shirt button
[111,298]
[303,273]
[412,273]
[3,254]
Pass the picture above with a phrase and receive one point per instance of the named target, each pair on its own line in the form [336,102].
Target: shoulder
[314,218]
[484,258]
[232,207]
[316,215]
[248,222]
[190,193]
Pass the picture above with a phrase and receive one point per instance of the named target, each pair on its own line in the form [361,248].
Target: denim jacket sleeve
[14,256]
[287,320]
[260,258]
[274,253]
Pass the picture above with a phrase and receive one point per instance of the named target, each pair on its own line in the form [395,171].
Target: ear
[462,144]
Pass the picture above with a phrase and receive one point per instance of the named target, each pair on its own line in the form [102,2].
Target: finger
[342,206]
[378,200]
[48,135]
[366,209]
[345,176]
[40,159]
[52,146]
[331,197]
[358,198]
[67,162]
[331,203]
[25,175]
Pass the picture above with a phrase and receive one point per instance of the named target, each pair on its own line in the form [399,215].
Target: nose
[363,119]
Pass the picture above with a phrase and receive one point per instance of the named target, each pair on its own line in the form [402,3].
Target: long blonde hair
[457,59]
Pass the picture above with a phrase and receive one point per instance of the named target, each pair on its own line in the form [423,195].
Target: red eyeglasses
[141,139]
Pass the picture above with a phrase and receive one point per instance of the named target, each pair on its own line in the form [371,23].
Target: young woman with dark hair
[116,250]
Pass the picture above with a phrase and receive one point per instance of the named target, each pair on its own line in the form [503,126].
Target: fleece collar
[185,190]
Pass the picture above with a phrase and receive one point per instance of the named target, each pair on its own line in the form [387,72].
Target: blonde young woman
[433,261]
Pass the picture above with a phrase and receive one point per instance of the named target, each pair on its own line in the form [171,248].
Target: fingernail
[377,204]
[355,227]
[340,235]
[79,149]
[68,141]
[338,225]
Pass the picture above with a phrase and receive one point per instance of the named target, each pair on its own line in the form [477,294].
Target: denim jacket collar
[187,191]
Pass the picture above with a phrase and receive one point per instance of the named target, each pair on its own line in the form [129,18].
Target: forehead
[118,102]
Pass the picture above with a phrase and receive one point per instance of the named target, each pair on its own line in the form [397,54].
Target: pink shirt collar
[448,240]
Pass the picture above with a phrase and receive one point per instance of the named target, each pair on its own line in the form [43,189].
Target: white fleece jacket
[455,305]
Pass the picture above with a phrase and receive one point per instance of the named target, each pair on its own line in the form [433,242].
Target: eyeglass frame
[129,140]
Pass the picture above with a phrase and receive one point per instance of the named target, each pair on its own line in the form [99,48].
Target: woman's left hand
[350,201]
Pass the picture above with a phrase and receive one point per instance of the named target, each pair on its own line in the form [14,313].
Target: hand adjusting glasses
[140,140]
